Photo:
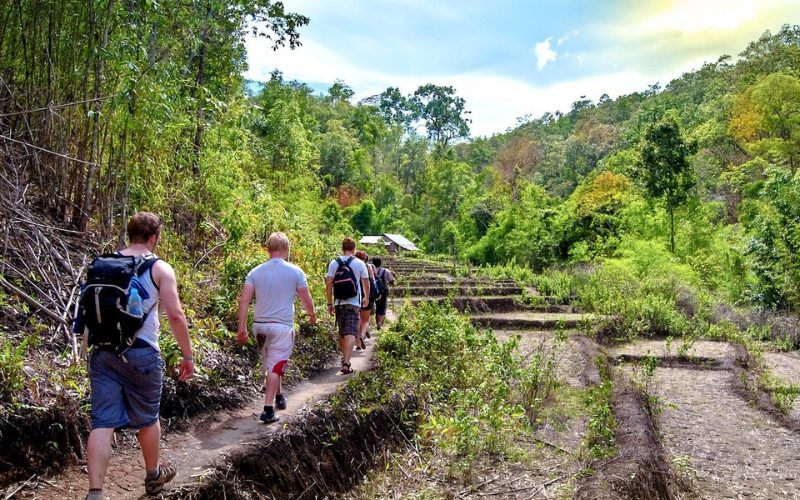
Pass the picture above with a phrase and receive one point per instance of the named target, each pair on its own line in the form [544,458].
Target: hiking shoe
[268,416]
[166,473]
[280,402]
[94,495]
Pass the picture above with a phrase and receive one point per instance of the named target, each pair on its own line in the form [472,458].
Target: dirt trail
[203,444]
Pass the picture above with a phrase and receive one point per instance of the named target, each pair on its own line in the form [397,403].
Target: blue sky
[511,58]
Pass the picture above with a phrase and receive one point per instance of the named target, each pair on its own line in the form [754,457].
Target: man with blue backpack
[347,290]
[118,313]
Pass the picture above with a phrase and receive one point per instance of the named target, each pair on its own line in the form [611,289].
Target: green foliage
[364,217]
[468,409]
[665,170]
[598,441]
[12,376]
[441,111]
[773,220]
[766,118]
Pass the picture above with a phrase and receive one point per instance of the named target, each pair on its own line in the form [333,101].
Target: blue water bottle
[135,303]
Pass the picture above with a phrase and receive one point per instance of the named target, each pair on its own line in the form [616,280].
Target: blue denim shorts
[126,394]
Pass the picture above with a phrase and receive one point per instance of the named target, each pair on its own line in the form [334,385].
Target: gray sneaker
[280,402]
[268,416]
[166,473]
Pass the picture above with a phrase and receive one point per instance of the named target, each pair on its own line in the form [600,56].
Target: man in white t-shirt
[274,284]
[347,309]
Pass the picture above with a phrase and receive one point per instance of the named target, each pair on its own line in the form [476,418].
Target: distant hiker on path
[347,290]
[274,284]
[384,279]
[125,365]
[366,312]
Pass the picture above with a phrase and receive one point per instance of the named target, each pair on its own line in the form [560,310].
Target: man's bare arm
[248,292]
[308,304]
[329,293]
[168,293]
[365,290]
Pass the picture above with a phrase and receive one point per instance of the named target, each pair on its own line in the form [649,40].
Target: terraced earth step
[430,291]
[428,281]
[575,357]
[403,267]
[785,366]
[416,268]
[532,320]
[703,353]
[487,304]
[731,449]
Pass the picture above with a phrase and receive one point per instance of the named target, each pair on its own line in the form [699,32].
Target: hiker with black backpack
[366,312]
[384,278]
[119,317]
[347,290]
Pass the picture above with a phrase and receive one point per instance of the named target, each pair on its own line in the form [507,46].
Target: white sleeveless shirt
[149,330]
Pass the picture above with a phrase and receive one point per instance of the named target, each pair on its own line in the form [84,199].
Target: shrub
[476,393]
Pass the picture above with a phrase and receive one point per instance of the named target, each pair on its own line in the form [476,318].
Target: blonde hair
[277,242]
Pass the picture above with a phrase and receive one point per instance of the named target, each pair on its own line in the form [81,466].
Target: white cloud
[495,101]
[544,53]
[566,37]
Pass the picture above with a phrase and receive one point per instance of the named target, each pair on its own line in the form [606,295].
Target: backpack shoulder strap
[339,261]
[349,260]
[146,264]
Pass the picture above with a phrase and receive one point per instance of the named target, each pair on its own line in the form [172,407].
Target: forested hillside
[676,209]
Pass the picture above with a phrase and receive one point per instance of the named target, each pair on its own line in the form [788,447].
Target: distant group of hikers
[119,308]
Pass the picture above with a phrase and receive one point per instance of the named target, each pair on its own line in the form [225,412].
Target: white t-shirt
[359,270]
[276,282]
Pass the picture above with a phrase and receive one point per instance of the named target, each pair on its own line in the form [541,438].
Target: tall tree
[664,169]
[442,112]
[766,117]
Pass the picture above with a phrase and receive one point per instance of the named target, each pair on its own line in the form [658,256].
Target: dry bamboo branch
[30,300]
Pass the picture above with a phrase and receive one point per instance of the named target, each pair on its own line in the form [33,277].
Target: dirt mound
[325,453]
[43,441]
[640,470]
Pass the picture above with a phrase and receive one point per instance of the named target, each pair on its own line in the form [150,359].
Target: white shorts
[275,342]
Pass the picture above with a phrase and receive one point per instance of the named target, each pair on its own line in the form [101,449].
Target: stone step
[521,320]
[489,304]
[434,291]
[441,280]
[718,352]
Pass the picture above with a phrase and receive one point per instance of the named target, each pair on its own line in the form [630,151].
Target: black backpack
[380,283]
[345,285]
[103,304]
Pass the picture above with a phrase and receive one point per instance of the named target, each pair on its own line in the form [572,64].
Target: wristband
[189,358]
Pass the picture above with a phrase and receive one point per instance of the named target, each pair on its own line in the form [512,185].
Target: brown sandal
[346,370]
